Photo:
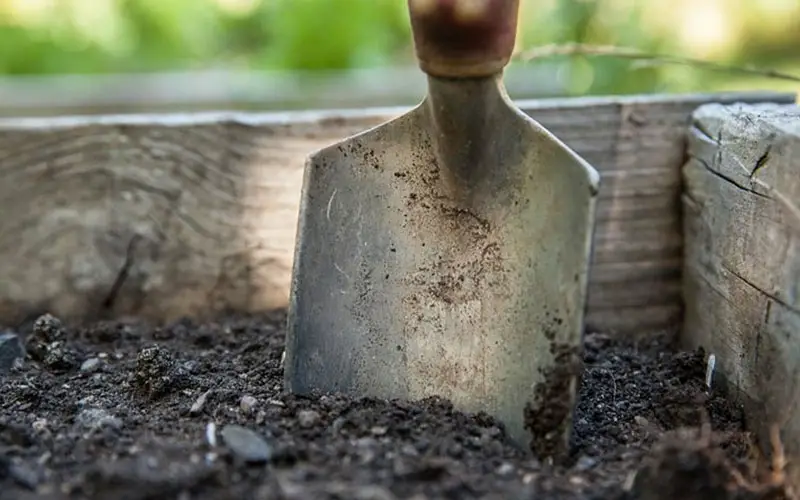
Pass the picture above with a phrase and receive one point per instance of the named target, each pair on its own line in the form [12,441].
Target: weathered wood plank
[742,257]
[165,216]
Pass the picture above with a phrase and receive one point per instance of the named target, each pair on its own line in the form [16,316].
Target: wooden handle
[463,38]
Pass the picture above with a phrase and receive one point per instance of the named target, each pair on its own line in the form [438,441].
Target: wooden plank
[634,321]
[742,258]
[166,216]
[661,246]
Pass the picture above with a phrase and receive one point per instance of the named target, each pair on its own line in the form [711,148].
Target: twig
[778,456]
[776,480]
[581,49]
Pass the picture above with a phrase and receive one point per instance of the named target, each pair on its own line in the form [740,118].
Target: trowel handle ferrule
[463,38]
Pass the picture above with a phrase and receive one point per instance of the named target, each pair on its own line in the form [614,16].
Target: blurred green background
[91,37]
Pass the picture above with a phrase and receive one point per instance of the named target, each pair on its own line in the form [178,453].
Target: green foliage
[98,36]
[593,22]
[149,35]
[334,34]
[165,32]
[34,51]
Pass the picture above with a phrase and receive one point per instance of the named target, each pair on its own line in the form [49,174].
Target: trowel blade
[405,287]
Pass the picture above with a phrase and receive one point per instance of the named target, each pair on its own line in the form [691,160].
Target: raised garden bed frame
[164,216]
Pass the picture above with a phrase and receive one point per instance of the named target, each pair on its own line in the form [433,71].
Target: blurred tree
[36,51]
[170,34]
[333,34]
[96,36]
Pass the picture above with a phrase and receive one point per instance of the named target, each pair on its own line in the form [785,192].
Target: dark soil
[120,410]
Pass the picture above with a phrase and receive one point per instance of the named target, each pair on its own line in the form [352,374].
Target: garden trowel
[445,253]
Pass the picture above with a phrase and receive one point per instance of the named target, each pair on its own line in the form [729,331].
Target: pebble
[505,469]
[366,442]
[247,404]
[39,425]
[410,450]
[308,418]
[585,463]
[48,328]
[96,418]
[246,444]
[158,373]
[59,358]
[199,403]
[11,349]
[91,365]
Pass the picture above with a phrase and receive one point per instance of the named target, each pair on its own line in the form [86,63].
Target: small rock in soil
[91,365]
[505,470]
[97,418]
[47,328]
[246,444]
[59,358]
[11,349]
[308,418]
[247,404]
[47,345]
[199,403]
[158,373]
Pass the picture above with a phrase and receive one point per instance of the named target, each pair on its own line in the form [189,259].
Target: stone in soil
[158,372]
[47,344]
[11,350]
[126,431]
[246,444]
[97,418]
[91,365]
[247,404]
[47,328]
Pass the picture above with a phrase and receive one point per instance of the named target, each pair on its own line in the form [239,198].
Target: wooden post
[742,258]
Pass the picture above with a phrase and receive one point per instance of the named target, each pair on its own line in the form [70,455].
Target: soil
[123,410]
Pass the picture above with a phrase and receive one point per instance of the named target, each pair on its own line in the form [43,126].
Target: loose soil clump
[123,410]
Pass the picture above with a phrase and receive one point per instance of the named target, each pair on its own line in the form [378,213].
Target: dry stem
[776,479]
[580,49]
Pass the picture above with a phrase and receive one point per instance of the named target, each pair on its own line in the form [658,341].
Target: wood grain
[188,215]
[742,258]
